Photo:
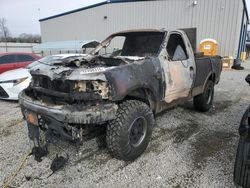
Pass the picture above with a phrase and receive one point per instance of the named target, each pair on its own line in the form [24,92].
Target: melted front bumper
[73,114]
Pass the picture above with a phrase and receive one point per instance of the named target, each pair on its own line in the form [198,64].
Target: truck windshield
[133,44]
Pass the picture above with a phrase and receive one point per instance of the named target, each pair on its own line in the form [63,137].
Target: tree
[4,31]
[31,38]
[24,37]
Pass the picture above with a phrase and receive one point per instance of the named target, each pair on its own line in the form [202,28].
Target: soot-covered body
[77,96]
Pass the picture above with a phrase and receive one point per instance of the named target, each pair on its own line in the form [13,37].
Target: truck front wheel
[204,101]
[129,133]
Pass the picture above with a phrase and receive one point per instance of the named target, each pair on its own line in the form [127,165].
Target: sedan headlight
[15,82]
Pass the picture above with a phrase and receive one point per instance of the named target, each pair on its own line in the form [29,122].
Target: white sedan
[13,82]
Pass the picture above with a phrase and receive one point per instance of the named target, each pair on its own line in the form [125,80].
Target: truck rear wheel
[204,101]
[129,133]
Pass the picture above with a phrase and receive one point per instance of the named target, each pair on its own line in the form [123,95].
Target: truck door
[179,68]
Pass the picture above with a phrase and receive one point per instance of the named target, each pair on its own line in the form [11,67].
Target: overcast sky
[23,15]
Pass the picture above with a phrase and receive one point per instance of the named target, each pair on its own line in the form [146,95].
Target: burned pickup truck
[114,94]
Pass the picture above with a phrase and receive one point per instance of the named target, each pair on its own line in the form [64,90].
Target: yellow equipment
[209,47]
[243,56]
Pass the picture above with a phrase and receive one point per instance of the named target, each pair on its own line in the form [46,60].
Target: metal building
[248,45]
[223,20]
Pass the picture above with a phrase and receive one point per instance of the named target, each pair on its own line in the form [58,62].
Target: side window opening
[114,47]
[7,59]
[23,58]
[176,48]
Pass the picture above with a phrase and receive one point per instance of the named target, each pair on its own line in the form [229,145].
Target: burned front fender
[106,82]
[145,74]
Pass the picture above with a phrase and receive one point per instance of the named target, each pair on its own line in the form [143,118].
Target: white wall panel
[218,19]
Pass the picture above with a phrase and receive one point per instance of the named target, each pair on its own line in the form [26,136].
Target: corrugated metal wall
[217,19]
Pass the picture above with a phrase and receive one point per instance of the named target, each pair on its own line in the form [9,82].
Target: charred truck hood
[85,67]
[89,77]
[79,91]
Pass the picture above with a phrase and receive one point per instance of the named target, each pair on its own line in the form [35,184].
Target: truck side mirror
[248,79]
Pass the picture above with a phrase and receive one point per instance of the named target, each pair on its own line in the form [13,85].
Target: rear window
[23,58]
[7,59]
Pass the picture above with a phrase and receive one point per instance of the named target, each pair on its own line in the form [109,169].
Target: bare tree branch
[24,37]
[4,31]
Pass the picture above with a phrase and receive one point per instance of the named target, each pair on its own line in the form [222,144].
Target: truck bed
[205,67]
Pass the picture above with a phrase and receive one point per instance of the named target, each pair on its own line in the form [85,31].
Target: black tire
[129,133]
[242,164]
[204,101]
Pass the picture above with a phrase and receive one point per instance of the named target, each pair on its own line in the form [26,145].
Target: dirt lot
[188,149]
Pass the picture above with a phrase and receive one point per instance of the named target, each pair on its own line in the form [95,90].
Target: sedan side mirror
[248,79]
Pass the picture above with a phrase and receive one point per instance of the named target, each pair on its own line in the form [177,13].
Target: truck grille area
[3,93]
[60,91]
[56,85]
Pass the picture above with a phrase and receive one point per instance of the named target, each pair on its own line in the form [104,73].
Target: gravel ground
[188,149]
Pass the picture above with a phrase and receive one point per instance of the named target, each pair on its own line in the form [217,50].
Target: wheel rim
[138,131]
[209,95]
